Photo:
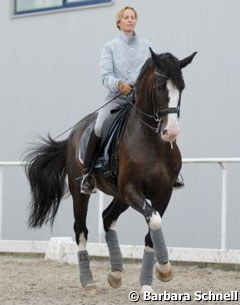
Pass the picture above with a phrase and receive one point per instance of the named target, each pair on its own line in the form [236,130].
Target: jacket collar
[127,39]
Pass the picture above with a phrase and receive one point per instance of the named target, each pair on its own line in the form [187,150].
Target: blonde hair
[120,13]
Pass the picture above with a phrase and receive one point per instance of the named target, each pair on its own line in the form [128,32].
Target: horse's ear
[154,56]
[184,62]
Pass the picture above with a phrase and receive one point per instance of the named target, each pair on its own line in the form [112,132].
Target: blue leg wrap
[85,272]
[114,251]
[159,245]
[146,275]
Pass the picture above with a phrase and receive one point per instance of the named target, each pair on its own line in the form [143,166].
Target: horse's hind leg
[80,207]
[163,268]
[146,275]
[110,216]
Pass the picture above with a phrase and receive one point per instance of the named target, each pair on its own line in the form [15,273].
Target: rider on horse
[120,65]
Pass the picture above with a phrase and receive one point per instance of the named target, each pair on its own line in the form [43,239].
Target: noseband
[157,114]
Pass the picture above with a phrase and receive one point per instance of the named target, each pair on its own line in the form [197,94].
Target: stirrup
[88,184]
[179,183]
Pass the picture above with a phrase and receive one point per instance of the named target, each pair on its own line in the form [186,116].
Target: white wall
[49,79]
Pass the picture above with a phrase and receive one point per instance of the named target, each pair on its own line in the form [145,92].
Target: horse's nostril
[165,132]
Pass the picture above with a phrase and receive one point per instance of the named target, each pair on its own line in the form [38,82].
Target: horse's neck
[138,128]
[142,144]
[142,114]
[141,126]
[143,102]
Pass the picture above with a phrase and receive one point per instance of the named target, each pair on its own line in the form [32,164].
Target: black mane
[147,65]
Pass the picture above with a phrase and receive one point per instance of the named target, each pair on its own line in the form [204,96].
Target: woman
[120,64]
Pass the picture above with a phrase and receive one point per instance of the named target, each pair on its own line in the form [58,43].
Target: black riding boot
[179,183]
[88,184]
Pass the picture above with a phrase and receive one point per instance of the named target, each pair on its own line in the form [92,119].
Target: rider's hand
[124,88]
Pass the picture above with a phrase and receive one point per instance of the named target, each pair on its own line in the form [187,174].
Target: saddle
[112,131]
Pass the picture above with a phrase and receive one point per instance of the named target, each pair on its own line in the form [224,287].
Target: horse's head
[161,84]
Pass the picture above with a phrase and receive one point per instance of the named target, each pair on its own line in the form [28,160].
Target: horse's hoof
[146,288]
[115,279]
[90,289]
[164,272]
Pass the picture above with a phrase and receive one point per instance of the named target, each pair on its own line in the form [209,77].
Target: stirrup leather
[88,184]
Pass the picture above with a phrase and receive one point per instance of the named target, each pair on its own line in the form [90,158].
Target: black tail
[46,172]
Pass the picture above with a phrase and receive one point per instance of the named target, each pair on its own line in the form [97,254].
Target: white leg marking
[146,288]
[113,224]
[155,221]
[82,242]
[148,249]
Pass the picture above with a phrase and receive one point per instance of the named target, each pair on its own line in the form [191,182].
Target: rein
[154,117]
[114,98]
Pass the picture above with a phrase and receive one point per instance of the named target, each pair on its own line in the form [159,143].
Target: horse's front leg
[163,268]
[110,216]
[153,241]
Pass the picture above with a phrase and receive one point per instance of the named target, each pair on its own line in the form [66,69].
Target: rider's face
[128,21]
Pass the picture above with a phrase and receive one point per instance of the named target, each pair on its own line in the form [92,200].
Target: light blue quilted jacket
[121,60]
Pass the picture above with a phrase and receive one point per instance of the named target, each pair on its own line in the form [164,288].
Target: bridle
[157,115]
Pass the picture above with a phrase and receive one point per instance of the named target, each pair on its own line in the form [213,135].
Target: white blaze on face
[171,129]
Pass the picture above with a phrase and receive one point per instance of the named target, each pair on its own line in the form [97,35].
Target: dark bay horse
[149,163]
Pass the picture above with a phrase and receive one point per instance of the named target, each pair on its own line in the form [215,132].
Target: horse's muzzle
[170,134]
